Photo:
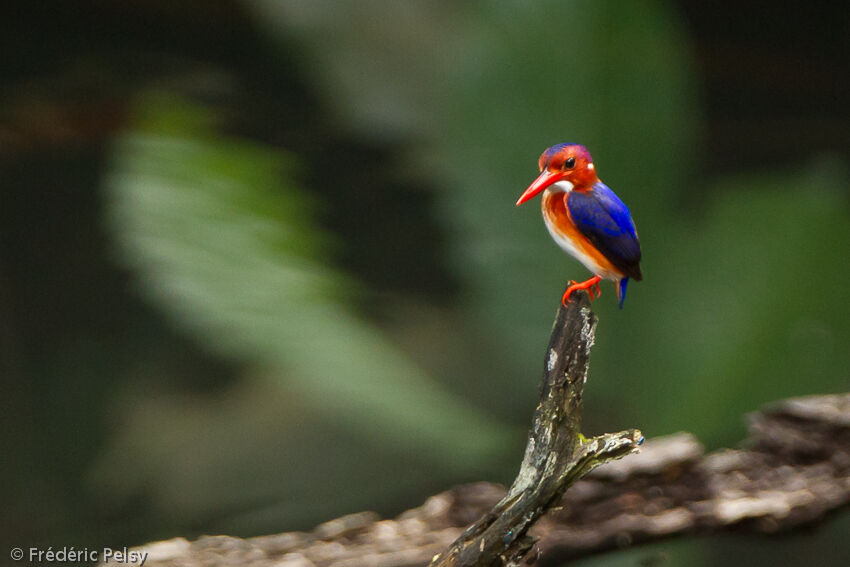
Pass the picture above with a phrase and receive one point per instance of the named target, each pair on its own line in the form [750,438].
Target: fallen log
[793,470]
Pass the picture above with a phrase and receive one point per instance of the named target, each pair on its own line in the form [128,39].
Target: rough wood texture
[556,455]
[793,471]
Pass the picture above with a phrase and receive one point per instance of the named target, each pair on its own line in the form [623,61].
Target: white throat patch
[563,186]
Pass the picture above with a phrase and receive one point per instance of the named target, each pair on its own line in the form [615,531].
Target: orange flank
[564,230]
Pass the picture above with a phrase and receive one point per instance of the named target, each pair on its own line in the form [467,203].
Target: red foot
[591,285]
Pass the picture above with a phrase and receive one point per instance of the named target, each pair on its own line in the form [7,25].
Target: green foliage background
[263,382]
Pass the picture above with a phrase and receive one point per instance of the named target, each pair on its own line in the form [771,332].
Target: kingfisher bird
[586,219]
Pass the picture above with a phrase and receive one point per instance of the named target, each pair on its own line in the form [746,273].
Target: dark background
[260,264]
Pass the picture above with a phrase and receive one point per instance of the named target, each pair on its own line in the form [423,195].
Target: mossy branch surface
[556,454]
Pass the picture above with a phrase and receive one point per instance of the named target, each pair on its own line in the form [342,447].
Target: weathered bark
[793,471]
[556,454]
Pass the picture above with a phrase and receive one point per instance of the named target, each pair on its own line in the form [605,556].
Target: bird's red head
[562,162]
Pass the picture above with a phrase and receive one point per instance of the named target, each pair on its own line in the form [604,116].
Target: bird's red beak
[544,180]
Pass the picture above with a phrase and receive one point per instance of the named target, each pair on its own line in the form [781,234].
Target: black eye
[570,163]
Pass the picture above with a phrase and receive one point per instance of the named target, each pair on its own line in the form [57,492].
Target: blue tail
[621,291]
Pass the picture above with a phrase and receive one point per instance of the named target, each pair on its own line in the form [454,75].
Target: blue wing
[605,220]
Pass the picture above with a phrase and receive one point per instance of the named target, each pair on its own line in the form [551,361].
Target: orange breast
[565,233]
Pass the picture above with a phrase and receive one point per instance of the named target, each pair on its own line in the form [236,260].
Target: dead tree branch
[556,454]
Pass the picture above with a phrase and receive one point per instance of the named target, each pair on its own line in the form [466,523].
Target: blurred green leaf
[219,236]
